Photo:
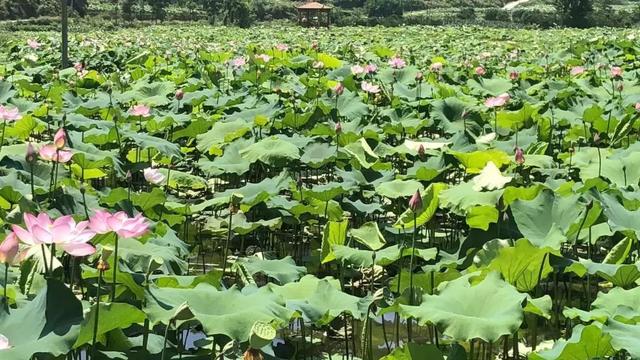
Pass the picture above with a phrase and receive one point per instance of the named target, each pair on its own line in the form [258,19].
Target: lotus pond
[353,193]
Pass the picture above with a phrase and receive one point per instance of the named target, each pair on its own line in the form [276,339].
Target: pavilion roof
[314,5]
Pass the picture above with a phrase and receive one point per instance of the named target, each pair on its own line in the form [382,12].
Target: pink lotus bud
[179,94]
[637,106]
[60,138]
[596,138]
[415,203]
[421,150]
[338,89]
[32,154]
[514,75]
[616,72]
[338,128]
[480,71]
[519,156]
[419,76]
[620,87]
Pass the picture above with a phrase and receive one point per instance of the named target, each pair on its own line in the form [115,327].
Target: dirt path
[513,4]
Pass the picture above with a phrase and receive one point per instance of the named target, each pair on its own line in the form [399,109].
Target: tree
[575,13]
[158,8]
[236,12]
[127,9]
[384,8]
[212,8]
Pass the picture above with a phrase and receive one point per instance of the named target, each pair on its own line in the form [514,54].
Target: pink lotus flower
[72,237]
[103,222]
[9,249]
[514,75]
[79,67]
[7,114]
[397,62]
[415,203]
[371,68]
[4,343]
[370,88]
[480,71]
[616,72]
[238,62]
[577,70]
[140,110]
[60,138]
[497,101]
[52,153]
[153,176]
[318,65]
[436,67]
[519,156]
[338,89]
[264,57]
[179,94]
[282,47]
[357,70]
[34,44]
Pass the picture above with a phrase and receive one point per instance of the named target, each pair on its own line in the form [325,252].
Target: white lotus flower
[4,343]
[490,178]
[415,145]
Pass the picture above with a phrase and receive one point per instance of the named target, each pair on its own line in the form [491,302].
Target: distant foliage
[575,13]
[385,8]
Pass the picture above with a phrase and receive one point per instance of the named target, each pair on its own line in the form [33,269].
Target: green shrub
[496,14]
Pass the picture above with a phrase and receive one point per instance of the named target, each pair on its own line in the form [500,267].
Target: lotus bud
[419,76]
[82,188]
[179,94]
[637,106]
[60,138]
[128,176]
[314,45]
[596,138]
[415,203]
[616,72]
[338,89]
[102,265]
[505,216]
[338,128]
[514,75]
[421,150]
[9,249]
[32,154]
[620,87]
[519,156]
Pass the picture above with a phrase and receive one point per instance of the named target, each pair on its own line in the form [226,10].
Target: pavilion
[313,13]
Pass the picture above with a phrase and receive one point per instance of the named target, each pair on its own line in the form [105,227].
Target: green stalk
[413,254]
[44,261]
[4,126]
[6,277]
[96,320]
[115,269]
[226,244]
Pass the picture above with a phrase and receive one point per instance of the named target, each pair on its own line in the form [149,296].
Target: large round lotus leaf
[271,151]
[522,265]
[48,324]
[497,312]
[112,316]
[430,202]
[230,312]
[624,337]
[283,270]
[622,275]
[586,342]
[398,188]
[369,234]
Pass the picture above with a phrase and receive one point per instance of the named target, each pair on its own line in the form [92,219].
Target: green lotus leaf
[480,217]
[48,324]
[430,202]
[541,306]
[335,233]
[500,312]
[283,270]
[475,161]
[624,337]
[112,316]
[412,351]
[622,275]
[361,151]
[270,151]
[586,342]
[317,155]
[398,188]
[220,134]
[522,265]
[491,87]
[369,235]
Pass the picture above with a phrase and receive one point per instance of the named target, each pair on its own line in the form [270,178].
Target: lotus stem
[4,293]
[44,261]
[97,318]
[226,244]
[411,259]
[166,335]
[115,269]
[4,126]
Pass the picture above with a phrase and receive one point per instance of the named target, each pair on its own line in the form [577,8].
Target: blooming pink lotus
[436,67]
[497,101]
[140,110]
[616,72]
[60,138]
[238,62]
[480,71]
[72,237]
[577,70]
[370,88]
[153,176]
[9,249]
[4,343]
[7,114]
[282,47]
[371,68]
[264,57]
[103,222]
[52,153]
[34,44]
[357,70]
[397,62]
